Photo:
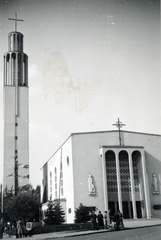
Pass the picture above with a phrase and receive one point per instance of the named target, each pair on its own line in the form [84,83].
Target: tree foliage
[82,214]
[25,205]
[54,213]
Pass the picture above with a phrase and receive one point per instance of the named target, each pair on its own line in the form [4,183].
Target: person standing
[111,216]
[1,229]
[19,229]
[116,219]
[93,220]
[121,223]
[105,220]
[100,220]
[8,229]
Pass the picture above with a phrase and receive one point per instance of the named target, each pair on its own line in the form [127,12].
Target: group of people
[97,221]
[117,219]
[106,221]
[7,228]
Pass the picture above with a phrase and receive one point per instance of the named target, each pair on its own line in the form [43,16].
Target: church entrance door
[125,209]
[138,209]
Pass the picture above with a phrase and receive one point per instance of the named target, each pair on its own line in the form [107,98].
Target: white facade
[101,174]
[60,178]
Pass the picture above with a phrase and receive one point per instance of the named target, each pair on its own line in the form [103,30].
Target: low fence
[61,227]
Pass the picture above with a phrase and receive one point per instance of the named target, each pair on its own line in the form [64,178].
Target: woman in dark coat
[100,220]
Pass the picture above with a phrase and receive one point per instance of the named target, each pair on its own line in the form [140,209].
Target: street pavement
[128,224]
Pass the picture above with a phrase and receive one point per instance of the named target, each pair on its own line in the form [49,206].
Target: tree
[82,214]
[54,213]
[59,213]
[25,205]
[49,214]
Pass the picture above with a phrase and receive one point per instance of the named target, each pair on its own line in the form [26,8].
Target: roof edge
[152,134]
[80,133]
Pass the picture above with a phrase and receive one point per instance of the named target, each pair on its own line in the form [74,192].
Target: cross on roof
[16,20]
[119,125]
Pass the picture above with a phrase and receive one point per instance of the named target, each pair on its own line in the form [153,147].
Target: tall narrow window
[61,180]
[14,67]
[56,184]
[50,185]
[19,73]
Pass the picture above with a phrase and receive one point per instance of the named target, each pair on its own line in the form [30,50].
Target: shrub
[82,214]
[54,214]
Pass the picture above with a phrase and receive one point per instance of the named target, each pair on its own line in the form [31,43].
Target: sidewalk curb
[77,233]
[80,233]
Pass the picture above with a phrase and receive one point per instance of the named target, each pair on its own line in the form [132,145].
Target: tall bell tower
[16,113]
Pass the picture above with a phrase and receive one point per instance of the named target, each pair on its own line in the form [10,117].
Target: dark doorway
[138,209]
[131,209]
[125,209]
[111,206]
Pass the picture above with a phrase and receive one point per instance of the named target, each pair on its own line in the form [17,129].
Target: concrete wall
[21,131]
[87,160]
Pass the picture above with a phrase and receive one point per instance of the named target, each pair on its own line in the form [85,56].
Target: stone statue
[155,184]
[91,187]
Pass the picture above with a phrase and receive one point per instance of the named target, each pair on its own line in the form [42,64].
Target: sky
[90,63]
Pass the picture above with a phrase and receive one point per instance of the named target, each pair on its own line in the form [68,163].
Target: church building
[16,113]
[117,170]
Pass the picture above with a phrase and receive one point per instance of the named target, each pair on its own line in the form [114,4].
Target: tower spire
[16,20]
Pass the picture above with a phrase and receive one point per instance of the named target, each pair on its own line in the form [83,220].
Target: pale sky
[90,63]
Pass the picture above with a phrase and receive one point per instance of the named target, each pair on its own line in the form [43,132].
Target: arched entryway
[112,189]
[138,183]
[126,182]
